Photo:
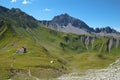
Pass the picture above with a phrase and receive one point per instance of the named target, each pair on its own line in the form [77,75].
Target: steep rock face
[101,44]
[65,19]
[61,22]
[113,42]
[87,40]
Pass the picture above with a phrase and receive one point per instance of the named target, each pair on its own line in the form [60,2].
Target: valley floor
[110,73]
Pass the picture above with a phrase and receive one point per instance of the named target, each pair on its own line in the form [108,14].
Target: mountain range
[68,24]
[52,48]
[63,23]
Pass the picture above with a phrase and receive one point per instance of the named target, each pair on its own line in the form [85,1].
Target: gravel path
[110,73]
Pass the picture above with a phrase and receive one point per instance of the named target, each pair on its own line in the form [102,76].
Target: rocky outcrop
[105,30]
[112,42]
[87,40]
[101,44]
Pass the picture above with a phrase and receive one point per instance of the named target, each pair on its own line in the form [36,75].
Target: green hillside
[37,58]
[49,53]
[43,45]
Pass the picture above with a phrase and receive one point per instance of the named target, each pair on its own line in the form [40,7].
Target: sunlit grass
[85,61]
[43,46]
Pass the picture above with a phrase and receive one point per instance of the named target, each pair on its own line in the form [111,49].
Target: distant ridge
[63,22]
[66,23]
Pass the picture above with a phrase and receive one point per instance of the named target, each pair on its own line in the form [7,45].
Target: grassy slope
[79,58]
[90,61]
[37,57]
[43,45]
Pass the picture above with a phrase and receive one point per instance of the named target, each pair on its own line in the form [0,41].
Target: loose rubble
[110,73]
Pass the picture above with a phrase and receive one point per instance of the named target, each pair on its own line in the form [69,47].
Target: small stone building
[21,50]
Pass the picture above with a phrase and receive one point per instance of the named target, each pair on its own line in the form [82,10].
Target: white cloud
[13,1]
[47,10]
[26,2]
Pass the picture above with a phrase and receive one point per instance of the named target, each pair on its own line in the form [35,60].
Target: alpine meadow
[32,49]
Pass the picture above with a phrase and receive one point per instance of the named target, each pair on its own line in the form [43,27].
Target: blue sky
[96,13]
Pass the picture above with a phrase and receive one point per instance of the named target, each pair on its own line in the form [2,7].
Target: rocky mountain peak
[63,19]
[16,10]
[62,16]
[106,29]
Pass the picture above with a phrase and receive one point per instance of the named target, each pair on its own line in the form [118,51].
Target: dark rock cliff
[112,43]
